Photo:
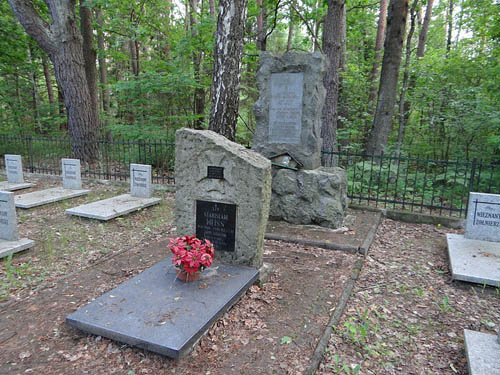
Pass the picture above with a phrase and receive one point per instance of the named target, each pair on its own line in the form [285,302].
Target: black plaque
[216,222]
[215,172]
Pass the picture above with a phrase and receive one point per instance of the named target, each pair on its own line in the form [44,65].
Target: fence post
[471,183]
[30,155]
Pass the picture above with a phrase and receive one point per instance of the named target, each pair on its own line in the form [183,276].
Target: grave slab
[41,197]
[483,353]
[9,186]
[157,312]
[11,247]
[474,260]
[110,208]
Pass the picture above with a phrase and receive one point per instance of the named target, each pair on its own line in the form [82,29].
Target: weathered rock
[309,196]
[288,111]
[222,191]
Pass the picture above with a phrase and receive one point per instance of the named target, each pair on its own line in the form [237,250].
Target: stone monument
[9,237]
[222,194]
[288,115]
[14,171]
[71,174]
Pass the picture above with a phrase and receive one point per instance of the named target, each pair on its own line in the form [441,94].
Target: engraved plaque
[285,108]
[69,170]
[216,222]
[215,172]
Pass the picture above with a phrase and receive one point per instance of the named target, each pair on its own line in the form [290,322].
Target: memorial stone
[71,174]
[14,168]
[222,194]
[8,221]
[140,181]
[483,217]
[288,111]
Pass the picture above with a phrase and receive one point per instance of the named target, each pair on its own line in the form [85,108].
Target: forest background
[154,64]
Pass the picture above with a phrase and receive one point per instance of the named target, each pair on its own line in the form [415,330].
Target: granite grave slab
[157,312]
[42,197]
[140,197]
[474,260]
[9,237]
[71,174]
[483,353]
[15,177]
[483,217]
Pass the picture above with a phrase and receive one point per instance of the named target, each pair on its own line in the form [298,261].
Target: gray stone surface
[278,107]
[71,175]
[14,168]
[8,219]
[309,196]
[41,197]
[474,260]
[110,208]
[140,181]
[12,247]
[483,353]
[245,183]
[483,217]
[157,312]
[9,186]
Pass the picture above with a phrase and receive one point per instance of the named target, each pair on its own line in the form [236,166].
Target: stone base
[264,274]
[41,197]
[108,209]
[11,186]
[317,196]
[474,260]
[157,312]
[483,353]
[11,247]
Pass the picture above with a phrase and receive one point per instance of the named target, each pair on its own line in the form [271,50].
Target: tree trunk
[383,120]
[134,59]
[103,67]
[332,48]
[62,41]
[404,86]
[290,28]
[199,92]
[224,93]
[449,27]
[379,42]
[34,91]
[211,6]
[48,83]
[261,27]
[422,38]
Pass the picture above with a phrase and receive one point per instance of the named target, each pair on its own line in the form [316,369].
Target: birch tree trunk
[224,93]
[383,120]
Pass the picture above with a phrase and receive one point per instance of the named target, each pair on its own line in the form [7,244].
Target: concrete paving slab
[483,353]
[110,208]
[41,197]
[157,312]
[474,260]
[11,247]
[10,186]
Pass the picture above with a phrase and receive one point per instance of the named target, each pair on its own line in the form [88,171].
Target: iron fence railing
[406,183]
[43,155]
[416,184]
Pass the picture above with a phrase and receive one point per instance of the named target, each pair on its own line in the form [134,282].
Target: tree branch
[362,6]
[275,19]
[308,27]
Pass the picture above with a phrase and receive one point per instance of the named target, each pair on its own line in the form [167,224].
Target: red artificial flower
[191,254]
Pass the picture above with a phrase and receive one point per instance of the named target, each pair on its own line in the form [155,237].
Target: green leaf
[286,340]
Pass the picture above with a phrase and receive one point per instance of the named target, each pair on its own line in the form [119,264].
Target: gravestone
[483,353]
[475,256]
[140,197]
[288,114]
[9,237]
[15,178]
[222,194]
[71,175]
[140,181]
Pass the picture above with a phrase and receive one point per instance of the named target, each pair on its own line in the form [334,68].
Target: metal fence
[43,155]
[416,184]
[407,183]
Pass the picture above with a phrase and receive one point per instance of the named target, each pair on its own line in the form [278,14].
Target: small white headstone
[140,181]
[483,217]
[14,167]
[8,221]
[71,174]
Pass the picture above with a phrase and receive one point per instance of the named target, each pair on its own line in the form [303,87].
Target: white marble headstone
[8,220]
[140,181]
[71,174]
[483,217]
[14,168]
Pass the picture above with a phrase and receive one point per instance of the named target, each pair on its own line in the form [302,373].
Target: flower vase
[187,278]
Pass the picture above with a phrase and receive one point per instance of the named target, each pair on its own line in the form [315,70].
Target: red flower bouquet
[191,255]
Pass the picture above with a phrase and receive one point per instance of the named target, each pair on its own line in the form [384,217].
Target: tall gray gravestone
[222,194]
[71,174]
[140,181]
[8,220]
[14,168]
[288,114]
